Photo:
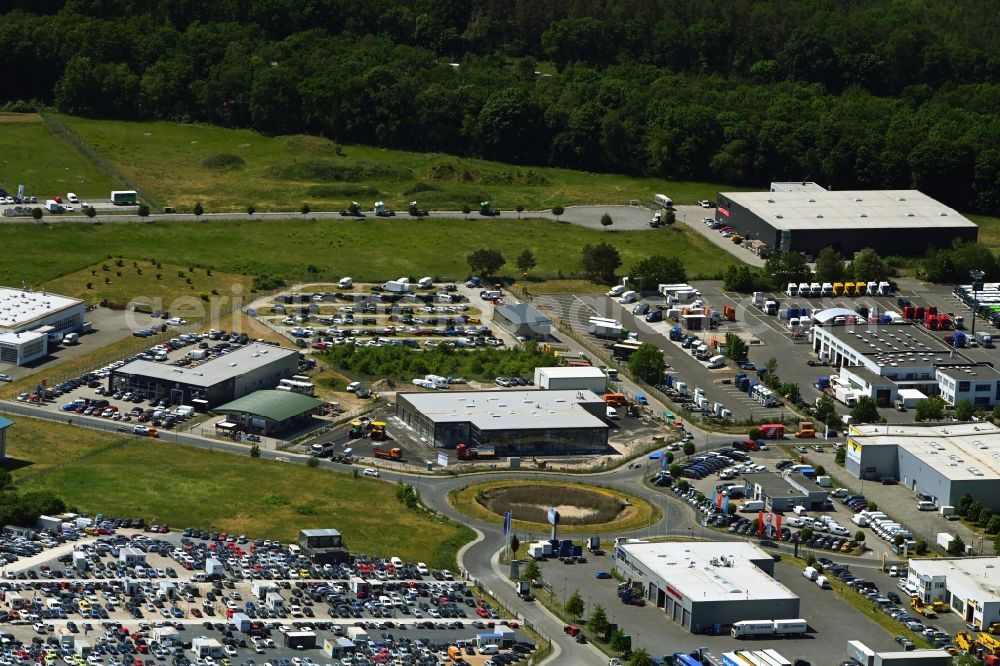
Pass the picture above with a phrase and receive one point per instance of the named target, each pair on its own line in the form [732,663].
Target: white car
[6,378]
[176,321]
[230,651]
[422,569]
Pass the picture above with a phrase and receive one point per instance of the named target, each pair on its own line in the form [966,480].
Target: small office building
[23,348]
[269,412]
[783,493]
[324,546]
[510,423]
[216,381]
[966,584]
[942,462]
[522,319]
[568,378]
[704,586]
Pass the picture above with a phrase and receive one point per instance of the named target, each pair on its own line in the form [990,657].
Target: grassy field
[227,169]
[368,250]
[989,230]
[121,280]
[44,163]
[181,486]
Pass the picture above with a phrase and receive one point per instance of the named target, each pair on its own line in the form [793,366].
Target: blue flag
[506,522]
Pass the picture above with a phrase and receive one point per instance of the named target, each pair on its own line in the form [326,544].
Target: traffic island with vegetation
[629,511]
[121,475]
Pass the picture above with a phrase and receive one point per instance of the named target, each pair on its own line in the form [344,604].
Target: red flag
[777,524]
[760,524]
[718,500]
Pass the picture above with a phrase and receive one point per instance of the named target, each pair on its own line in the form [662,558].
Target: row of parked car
[888,603]
[712,461]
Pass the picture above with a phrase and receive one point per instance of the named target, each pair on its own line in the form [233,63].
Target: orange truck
[615,400]
[806,430]
[394,453]
[729,312]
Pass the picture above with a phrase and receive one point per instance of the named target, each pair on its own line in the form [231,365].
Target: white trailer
[790,627]
[397,287]
[745,628]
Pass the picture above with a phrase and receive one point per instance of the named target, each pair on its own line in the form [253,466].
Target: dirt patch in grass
[576,505]
[20,118]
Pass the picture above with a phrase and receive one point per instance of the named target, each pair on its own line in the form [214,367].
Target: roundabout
[582,508]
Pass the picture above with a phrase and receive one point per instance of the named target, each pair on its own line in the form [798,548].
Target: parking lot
[323,315]
[768,337]
[832,622]
[92,397]
[138,595]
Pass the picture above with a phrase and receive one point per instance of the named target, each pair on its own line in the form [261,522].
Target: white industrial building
[879,361]
[703,585]
[942,462]
[584,378]
[30,319]
[969,585]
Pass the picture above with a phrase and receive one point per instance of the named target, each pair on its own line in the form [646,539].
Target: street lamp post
[565,583]
[977,285]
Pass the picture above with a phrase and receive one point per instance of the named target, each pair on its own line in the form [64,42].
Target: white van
[72,198]
[629,297]
[425,283]
[616,291]
[799,510]
[925,506]
[489,649]
[663,200]
[371,472]
[717,362]
[752,505]
[345,283]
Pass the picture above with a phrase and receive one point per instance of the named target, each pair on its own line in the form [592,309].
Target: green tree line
[869,95]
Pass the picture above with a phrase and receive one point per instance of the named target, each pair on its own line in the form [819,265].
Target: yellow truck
[922,608]
[988,642]
[963,641]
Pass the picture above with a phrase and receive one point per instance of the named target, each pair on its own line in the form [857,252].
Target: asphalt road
[626,217]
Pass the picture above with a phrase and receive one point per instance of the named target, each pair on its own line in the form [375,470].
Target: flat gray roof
[710,570]
[21,306]
[903,344]
[970,372]
[514,410]
[772,484]
[320,532]
[210,373]
[957,451]
[849,209]
[522,313]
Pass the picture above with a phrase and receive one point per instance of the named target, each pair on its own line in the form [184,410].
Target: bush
[222,161]
[36,213]
[688,448]
[143,210]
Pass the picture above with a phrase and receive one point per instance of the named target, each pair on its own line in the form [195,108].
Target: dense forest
[849,93]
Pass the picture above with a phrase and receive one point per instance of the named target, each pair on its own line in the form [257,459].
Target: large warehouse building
[807,219]
[512,423]
[941,462]
[968,585]
[881,361]
[216,381]
[701,585]
[29,319]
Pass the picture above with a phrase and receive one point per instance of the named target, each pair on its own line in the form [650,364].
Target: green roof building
[269,412]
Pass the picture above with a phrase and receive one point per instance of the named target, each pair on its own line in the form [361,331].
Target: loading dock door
[661,598]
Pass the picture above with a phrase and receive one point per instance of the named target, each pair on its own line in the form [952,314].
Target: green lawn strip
[464,499]
[184,486]
[370,250]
